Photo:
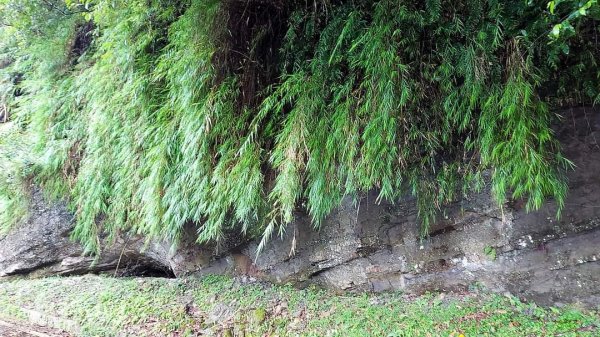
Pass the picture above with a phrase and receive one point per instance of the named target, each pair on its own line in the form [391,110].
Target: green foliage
[13,164]
[147,115]
[578,9]
[490,252]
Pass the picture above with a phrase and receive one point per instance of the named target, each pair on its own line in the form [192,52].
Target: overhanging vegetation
[148,115]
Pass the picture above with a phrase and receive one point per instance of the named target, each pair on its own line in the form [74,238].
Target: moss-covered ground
[220,306]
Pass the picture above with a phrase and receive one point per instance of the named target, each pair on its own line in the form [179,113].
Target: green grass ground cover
[220,306]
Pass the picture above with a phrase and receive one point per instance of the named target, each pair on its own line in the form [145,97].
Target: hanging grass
[232,115]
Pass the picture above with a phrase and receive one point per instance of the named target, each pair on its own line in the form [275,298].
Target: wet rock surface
[376,247]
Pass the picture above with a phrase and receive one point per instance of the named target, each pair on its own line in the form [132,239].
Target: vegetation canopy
[147,115]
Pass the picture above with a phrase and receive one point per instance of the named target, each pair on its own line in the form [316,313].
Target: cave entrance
[143,268]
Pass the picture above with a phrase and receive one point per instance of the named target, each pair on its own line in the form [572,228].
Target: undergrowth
[221,306]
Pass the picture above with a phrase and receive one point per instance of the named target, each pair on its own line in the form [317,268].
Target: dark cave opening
[143,268]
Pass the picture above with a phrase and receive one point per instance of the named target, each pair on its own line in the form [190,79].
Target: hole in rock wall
[143,268]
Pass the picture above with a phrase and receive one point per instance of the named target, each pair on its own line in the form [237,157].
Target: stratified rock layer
[377,247]
[41,246]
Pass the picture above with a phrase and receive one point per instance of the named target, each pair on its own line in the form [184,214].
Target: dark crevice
[82,41]
[316,273]
[143,268]
[321,271]
[441,231]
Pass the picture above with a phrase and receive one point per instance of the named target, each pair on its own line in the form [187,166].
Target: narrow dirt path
[19,329]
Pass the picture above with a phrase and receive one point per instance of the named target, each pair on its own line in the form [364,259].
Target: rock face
[376,247]
[40,246]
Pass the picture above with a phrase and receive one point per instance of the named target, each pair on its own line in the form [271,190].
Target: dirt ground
[17,329]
